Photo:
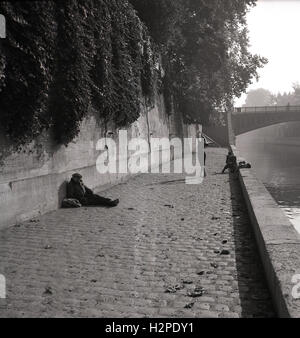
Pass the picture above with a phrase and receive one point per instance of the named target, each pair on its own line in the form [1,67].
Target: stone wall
[33,182]
[278,243]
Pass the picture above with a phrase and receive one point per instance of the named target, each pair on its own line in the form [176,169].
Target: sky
[274,30]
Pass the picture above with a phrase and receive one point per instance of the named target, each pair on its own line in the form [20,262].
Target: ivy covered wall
[61,57]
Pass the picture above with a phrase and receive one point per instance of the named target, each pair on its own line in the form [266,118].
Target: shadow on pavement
[254,293]
[181,180]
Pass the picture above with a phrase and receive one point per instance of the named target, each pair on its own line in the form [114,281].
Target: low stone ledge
[278,243]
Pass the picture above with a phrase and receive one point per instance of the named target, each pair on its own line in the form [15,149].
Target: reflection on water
[274,154]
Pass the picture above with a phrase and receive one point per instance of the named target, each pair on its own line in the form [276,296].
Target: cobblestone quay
[168,250]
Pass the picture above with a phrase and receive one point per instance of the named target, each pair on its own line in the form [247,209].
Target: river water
[274,153]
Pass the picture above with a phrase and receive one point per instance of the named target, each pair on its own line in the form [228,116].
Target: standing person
[205,146]
[77,190]
[201,136]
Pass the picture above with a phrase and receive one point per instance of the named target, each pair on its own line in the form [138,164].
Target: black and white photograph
[149,162]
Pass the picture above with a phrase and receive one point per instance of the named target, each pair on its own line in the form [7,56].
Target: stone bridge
[250,118]
[245,119]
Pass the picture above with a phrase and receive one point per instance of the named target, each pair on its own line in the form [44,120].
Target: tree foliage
[26,69]
[205,49]
[291,98]
[259,97]
[61,57]
[264,97]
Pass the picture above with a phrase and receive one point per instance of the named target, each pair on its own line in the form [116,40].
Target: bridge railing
[266,109]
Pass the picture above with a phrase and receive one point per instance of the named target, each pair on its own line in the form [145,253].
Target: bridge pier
[223,135]
[231,135]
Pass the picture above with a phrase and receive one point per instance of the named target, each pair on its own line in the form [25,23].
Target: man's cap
[76,175]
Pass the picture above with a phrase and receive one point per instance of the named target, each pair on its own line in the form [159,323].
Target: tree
[296,94]
[62,57]
[206,54]
[291,98]
[161,17]
[259,97]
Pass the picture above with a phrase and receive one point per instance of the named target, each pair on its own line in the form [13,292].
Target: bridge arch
[246,119]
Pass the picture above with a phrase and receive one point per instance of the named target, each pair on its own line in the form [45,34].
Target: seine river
[274,153]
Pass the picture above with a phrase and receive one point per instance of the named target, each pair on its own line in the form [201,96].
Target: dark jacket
[75,190]
[231,160]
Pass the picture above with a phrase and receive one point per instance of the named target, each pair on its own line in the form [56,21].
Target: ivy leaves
[61,58]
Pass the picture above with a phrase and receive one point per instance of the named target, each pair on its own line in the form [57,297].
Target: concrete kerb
[278,243]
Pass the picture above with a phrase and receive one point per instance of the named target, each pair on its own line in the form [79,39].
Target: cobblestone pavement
[158,254]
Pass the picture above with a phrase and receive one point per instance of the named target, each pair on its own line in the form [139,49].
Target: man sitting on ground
[230,163]
[77,190]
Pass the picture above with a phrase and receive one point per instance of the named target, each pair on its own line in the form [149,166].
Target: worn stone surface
[156,255]
[278,243]
[285,260]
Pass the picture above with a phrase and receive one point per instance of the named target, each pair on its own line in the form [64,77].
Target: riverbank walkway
[168,250]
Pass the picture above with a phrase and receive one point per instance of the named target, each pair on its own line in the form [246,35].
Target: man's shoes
[114,203]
